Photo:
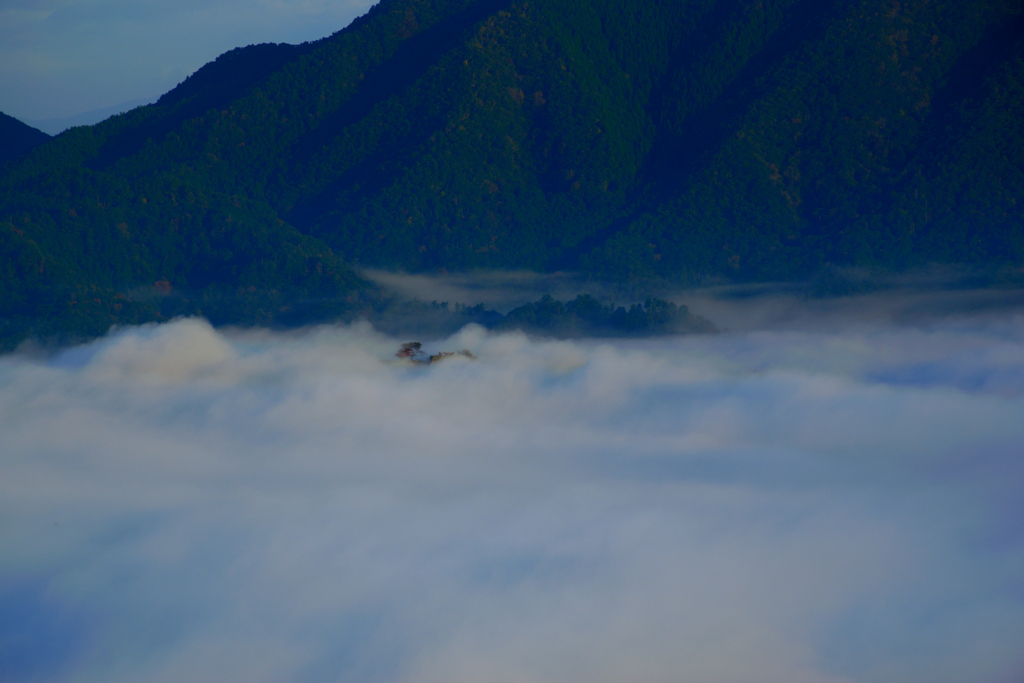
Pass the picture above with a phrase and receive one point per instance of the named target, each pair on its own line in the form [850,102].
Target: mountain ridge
[17,138]
[674,141]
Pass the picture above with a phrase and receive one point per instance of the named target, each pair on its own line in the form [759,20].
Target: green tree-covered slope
[678,139]
[17,138]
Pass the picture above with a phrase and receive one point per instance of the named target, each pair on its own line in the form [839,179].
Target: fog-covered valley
[784,501]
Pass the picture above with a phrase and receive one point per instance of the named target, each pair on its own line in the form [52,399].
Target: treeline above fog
[584,316]
[629,140]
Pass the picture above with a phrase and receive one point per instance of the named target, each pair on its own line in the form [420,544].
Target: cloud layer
[59,58]
[179,503]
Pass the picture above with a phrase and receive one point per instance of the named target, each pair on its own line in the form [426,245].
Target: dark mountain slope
[678,139]
[825,157]
[214,86]
[17,138]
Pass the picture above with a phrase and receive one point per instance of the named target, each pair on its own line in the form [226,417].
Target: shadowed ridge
[17,138]
[693,128]
[409,62]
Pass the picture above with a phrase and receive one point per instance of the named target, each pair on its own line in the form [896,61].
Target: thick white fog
[179,503]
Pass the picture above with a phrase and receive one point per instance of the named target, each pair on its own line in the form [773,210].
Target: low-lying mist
[784,502]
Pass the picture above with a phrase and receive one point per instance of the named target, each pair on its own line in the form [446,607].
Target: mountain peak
[676,141]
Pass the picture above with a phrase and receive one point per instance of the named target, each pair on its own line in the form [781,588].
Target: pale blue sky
[59,58]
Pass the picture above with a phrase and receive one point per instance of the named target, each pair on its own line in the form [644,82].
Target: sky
[786,502]
[60,58]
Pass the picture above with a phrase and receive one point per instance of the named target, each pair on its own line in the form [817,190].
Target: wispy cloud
[178,503]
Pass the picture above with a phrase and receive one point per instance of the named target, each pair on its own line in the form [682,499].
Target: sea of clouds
[179,503]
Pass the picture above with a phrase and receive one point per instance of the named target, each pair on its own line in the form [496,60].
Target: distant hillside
[87,118]
[629,139]
[17,138]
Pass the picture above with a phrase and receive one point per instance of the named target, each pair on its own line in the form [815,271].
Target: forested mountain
[628,139]
[16,138]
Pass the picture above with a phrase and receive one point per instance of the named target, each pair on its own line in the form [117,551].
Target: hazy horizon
[60,60]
